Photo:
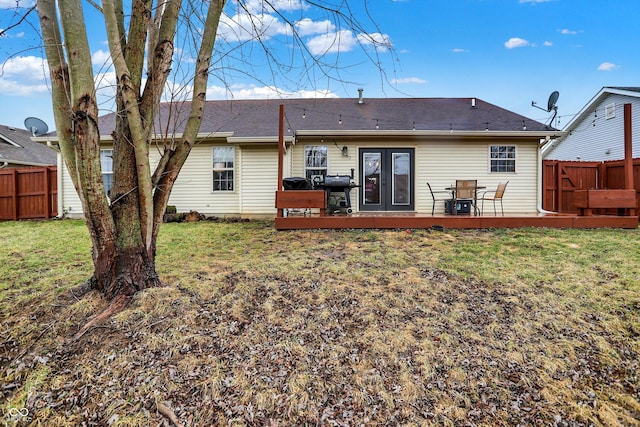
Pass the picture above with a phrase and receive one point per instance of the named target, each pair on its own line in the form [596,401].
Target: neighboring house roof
[259,118]
[17,148]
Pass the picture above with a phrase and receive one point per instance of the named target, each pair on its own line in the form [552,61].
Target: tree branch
[179,156]
[126,89]
[4,31]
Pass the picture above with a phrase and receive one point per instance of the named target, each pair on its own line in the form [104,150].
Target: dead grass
[257,327]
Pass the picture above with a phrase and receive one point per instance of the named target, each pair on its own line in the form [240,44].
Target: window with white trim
[223,168]
[106,163]
[502,158]
[315,161]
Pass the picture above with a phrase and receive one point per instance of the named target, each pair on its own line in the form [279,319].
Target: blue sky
[507,52]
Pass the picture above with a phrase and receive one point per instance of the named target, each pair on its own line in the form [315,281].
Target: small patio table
[453,192]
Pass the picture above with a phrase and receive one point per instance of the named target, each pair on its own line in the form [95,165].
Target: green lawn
[264,328]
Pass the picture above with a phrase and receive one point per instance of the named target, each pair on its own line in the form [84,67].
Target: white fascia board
[259,140]
[21,162]
[108,138]
[431,133]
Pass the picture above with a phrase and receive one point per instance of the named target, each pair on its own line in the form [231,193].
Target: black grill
[337,181]
[338,188]
[296,183]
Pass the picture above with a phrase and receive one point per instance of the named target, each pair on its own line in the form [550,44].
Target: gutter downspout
[60,165]
[4,165]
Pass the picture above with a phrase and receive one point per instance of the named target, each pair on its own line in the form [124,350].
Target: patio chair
[438,195]
[466,191]
[494,195]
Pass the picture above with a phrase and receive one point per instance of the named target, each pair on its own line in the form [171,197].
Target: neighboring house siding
[596,138]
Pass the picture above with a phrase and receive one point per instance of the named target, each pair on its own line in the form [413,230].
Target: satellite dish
[553,98]
[551,105]
[35,126]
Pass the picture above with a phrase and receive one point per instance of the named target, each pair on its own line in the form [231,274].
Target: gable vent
[610,111]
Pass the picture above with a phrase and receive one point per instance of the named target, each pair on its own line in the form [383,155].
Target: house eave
[155,137]
[241,140]
[432,133]
[22,162]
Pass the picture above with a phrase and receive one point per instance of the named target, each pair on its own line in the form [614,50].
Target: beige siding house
[394,147]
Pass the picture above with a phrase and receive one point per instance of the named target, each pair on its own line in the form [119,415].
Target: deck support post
[280,156]
[628,148]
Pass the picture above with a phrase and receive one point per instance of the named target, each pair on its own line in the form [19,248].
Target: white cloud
[306,27]
[244,27]
[515,42]
[11,87]
[11,4]
[27,67]
[102,59]
[409,80]
[459,50]
[341,41]
[608,66]
[568,32]
[382,42]
[547,43]
[263,92]
[24,76]
[534,1]
[254,6]
[345,41]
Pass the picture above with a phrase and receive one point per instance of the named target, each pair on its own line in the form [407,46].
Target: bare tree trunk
[124,272]
[124,226]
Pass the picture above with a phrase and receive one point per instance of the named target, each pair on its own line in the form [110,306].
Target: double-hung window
[502,158]
[106,163]
[223,168]
[315,161]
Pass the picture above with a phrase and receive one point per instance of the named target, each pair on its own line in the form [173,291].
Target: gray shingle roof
[259,118]
[16,147]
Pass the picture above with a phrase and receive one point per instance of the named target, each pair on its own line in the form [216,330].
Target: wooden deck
[413,220]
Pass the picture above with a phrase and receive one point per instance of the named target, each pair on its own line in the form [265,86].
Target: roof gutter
[20,162]
[50,141]
[258,140]
[442,133]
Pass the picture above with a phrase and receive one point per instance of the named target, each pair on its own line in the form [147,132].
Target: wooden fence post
[15,194]
[47,193]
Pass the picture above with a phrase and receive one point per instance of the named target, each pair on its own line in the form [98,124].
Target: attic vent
[610,111]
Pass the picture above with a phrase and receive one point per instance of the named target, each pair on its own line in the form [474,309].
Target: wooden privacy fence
[28,193]
[561,179]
